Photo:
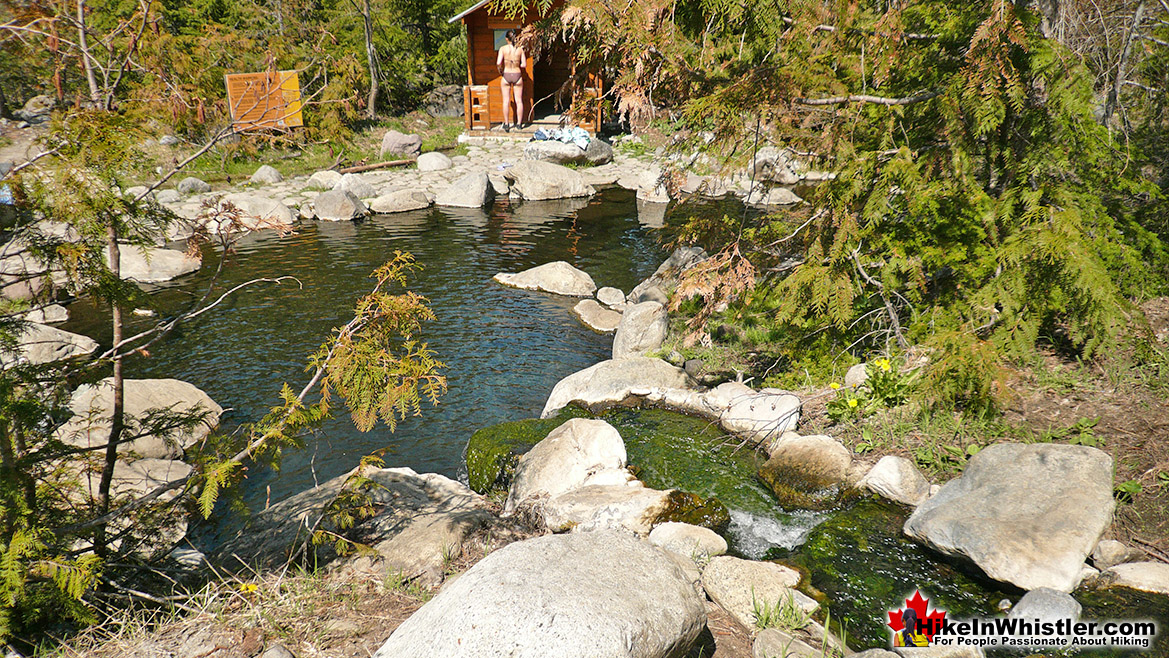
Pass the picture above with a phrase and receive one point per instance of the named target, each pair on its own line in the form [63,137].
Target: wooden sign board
[264,100]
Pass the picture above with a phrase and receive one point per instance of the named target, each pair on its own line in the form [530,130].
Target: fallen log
[377,165]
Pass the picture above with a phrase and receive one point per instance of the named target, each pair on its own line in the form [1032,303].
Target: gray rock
[1109,553]
[642,329]
[807,471]
[37,109]
[266,175]
[400,201]
[555,152]
[736,585]
[611,382]
[1025,514]
[651,186]
[651,214]
[394,142]
[668,273]
[687,540]
[606,507]
[856,375]
[775,196]
[326,179]
[535,180]
[774,643]
[557,277]
[897,479]
[153,265]
[1046,604]
[191,185]
[564,459]
[651,294]
[356,185]
[338,206]
[168,140]
[39,344]
[277,651]
[444,101]
[92,406]
[611,297]
[874,653]
[167,196]
[51,314]
[777,166]
[259,212]
[1143,576]
[557,596]
[471,191]
[939,652]
[762,417]
[599,152]
[596,317]
[139,477]
[434,161]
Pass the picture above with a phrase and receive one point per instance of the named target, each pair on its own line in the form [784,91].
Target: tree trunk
[1113,100]
[4,113]
[371,57]
[280,17]
[82,40]
[117,420]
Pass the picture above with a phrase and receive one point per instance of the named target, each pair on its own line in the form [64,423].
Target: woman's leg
[506,89]
[520,117]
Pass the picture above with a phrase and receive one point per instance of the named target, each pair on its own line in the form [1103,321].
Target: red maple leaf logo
[930,622]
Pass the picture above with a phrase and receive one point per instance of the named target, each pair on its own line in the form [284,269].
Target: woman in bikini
[511,63]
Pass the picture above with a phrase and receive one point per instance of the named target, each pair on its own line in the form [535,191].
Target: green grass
[784,614]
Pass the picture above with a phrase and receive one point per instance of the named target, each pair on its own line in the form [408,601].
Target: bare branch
[877,100]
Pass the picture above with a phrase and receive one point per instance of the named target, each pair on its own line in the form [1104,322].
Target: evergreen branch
[888,305]
[913,36]
[876,100]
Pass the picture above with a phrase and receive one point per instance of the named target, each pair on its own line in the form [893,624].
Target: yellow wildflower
[883,364]
[248,588]
[834,386]
[852,403]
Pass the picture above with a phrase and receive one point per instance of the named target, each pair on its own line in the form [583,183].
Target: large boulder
[776,165]
[807,471]
[444,101]
[1025,514]
[553,151]
[762,417]
[565,459]
[612,382]
[620,506]
[338,206]
[152,265]
[191,185]
[266,175]
[396,143]
[434,161]
[422,520]
[897,479]
[596,317]
[668,273]
[400,201]
[143,399]
[557,277]
[259,212]
[38,344]
[642,329]
[739,586]
[356,185]
[37,109]
[471,191]
[651,186]
[535,180]
[584,594]
[599,152]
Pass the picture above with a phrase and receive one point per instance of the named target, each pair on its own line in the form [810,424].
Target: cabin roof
[470,10]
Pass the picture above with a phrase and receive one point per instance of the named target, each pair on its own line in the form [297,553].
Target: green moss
[690,508]
[492,452]
[1125,603]
[860,561]
[800,488]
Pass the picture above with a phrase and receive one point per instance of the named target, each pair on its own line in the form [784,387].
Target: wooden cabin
[483,93]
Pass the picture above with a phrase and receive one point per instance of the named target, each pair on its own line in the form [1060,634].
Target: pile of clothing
[573,135]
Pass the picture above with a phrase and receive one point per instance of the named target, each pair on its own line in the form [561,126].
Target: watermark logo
[916,624]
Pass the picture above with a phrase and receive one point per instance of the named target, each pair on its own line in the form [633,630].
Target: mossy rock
[694,509]
[807,473]
[493,452]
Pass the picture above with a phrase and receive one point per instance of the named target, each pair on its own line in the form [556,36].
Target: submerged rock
[1025,514]
[642,329]
[565,459]
[587,594]
[612,382]
[557,277]
[807,471]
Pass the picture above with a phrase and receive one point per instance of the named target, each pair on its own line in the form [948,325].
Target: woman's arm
[499,60]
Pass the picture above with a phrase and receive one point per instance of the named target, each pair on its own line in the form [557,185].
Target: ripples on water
[504,348]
